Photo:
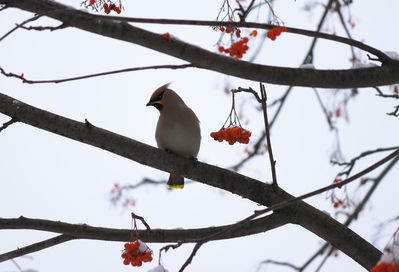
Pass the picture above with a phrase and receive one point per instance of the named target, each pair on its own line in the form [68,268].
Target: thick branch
[83,231]
[353,78]
[312,219]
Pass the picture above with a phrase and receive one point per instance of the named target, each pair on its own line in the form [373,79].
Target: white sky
[50,177]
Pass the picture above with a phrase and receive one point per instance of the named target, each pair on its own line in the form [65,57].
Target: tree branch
[310,218]
[35,247]
[24,80]
[84,231]
[267,132]
[8,123]
[117,29]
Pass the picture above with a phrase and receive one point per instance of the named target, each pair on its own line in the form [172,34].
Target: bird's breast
[178,137]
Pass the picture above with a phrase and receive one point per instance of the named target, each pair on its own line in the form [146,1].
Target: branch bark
[298,213]
[352,78]
[84,231]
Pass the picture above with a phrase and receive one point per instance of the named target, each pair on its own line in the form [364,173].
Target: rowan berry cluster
[238,48]
[385,267]
[276,31]
[136,253]
[232,135]
[105,5]
[109,8]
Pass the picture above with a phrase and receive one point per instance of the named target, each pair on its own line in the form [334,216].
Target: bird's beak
[157,104]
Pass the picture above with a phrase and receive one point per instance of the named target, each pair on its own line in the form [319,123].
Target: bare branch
[20,25]
[112,27]
[190,258]
[349,165]
[283,204]
[286,264]
[135,216]
[269,144]
[281,101]
[42,28]
[8,123]
[84,231]
[248,90]
[354,215]
[395,112]
[35,247]
[341,19]
[264,194]
[329,122]
[381,94]
[24,80]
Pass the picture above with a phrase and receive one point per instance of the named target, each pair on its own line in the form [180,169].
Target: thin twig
[17,265]
[248,90]
[381,94]
[37,16]
[8,123]
[20,25]
[190,258]
[36,247]
[24,80]
[349,165]
[167,247]
[244,13]
[330,124]
[135,216]
[287,264]
[395,112]
[42,28]
[269,144]
[341,18]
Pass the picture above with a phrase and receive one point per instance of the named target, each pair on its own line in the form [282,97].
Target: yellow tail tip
[176,186]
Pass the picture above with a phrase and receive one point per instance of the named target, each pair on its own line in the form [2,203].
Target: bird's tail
[175,182]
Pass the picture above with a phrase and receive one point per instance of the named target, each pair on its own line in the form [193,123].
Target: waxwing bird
[178,129]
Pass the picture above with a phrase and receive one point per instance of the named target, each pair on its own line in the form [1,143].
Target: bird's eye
[159,97]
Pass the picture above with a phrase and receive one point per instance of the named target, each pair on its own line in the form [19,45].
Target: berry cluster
[238,48]
[136,253]
[107,9]
[385,267]
[232,135]
[276,31]
[231,30]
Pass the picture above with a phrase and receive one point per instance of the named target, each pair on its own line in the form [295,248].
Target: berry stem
[233,117]
[269,145]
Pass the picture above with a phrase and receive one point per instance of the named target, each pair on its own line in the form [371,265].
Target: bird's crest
[159,92]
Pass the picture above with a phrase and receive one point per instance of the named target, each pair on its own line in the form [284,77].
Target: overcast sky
[51,177]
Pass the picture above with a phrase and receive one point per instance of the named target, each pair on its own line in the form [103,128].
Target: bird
[178,130]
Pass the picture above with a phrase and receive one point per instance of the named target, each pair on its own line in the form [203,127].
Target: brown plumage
[178,129]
